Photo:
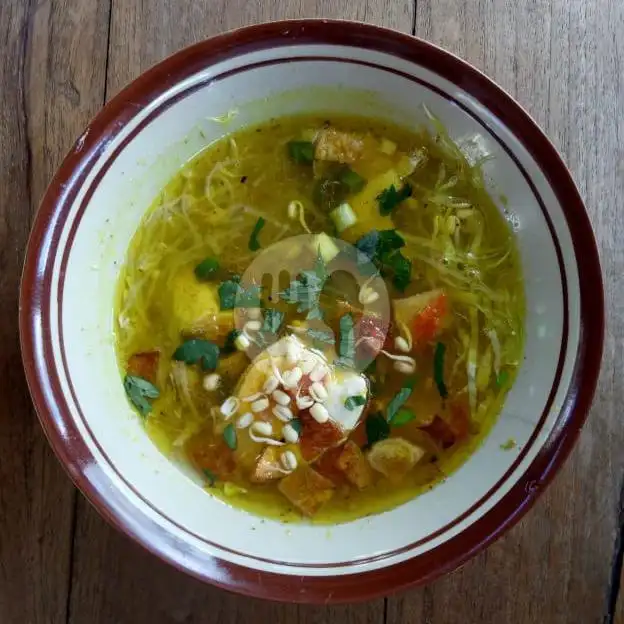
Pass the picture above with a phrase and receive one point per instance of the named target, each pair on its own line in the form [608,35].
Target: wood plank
[51,82]
[144,589]
[562,59]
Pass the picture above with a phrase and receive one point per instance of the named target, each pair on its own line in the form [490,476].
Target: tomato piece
[441,432]
[144,365]
[448,431]
[427,325]
[316,437]
[375,330]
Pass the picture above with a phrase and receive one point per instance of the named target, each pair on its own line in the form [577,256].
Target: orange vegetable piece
[144,365]
[427,325]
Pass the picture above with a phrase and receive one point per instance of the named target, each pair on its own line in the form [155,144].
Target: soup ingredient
[394,457]
[256,380]
[139,390]
[307,489]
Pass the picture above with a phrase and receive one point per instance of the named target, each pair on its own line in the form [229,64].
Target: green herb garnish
[229,435]
[232,295]
[206,269]
[383,249]
[390,198]
[196,351]
[210,476]
[354,401]
[139,390]
[340,181]
[306,290]
[510,444]
[254,244]
[398,400]
[230,341]
[351,179]
[502,378]
[377,428]
[295,423]
[346,346]
[272,321]
[321,335]
[438,369]
[402,417]
[301,152]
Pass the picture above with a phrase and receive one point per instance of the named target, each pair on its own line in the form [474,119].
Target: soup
[321,316]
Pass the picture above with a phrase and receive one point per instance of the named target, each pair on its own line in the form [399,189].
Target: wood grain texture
[562,59]
[145,589]
[51,83]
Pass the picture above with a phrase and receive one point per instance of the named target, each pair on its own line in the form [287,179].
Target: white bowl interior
[152,148]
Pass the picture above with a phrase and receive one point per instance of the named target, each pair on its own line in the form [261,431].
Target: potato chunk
[267,468]
[307,490]
[394,457]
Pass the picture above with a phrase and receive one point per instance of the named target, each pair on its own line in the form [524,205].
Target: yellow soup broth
[309,404]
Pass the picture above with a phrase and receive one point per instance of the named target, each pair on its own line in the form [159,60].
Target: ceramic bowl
[94,204]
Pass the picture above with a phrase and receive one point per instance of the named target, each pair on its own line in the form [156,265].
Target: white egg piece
[346,384]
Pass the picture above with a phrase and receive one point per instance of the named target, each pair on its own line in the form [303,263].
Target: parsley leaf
[400,266]
[272,321]
[354,401]
[390,198]
[346,346]
[206,269]
[296,424]
[301,152]
[377,428]
[402,417]
[198,350]
[229,435]
[306,290]
[383,248]
[254,243]
[138,391]
[398,400]
[232,295]
[341,181]
[321,335]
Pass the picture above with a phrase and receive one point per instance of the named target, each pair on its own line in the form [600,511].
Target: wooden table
[60,60]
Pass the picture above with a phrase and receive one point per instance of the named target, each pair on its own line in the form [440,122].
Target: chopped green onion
[346,346]
[230,341]
[295,423]
[272,321]
[206,269]
[390,198]
[354,401]
[326,247]
[377,428]
[343,217]
[438,369]
[254,243]
[229,435]
[402,417]
[301,152]
[502,378]
[399,399]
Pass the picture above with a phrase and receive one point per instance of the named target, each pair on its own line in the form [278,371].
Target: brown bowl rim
[75,455]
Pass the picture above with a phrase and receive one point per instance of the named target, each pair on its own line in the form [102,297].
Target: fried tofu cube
[267,468]
[144,365]
[355,466]
[394,457]
[307,490]
[337,146]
